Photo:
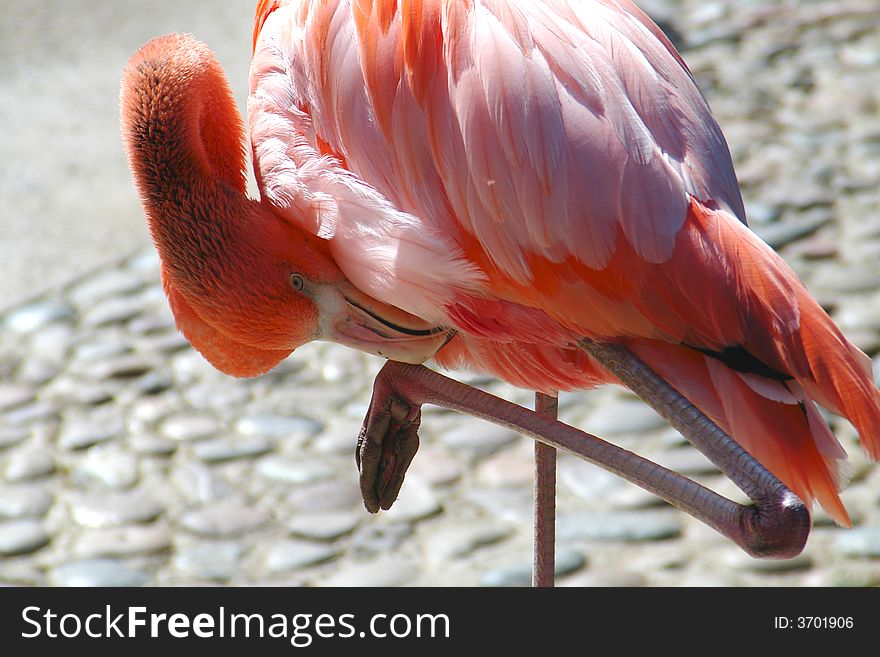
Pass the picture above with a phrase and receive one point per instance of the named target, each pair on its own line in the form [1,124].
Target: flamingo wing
[532,127]
[536,172]
[515,136]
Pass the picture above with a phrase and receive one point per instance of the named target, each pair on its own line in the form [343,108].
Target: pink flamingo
[531,189]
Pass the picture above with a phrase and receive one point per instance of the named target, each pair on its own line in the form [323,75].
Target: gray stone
[69,392]
[761,213]
[197,483]
[384,571]
[85,431]
[37,371]
[22,571]
[507,468]
[852,573]
[97,572]
[572,401]
[189,366]
[190,427]
[567,561]
[89,352]
[292,555]
[36,315]
[154,296]
[414,503]
[479,437]
[324,526]
[210,396]
[24,501]
[12,395]
[862,316]
[623,416]
[152,445]
[39,411]
[110,283]
[737,559]
[836,279]
[295,471]
[110,509]
[278,426]
[820,246]
[229,448]
[609,579]
[51,343]
[461,540]
[342,364]
[629,526]
[29,463]
[147,411]
[782,233]
[166,343]
[21,537]
[373,540]
[688,461]
[337,494]
[153,325]
[112,311]
[337,438]
[109,469]
[588,481]
[513,505]
[214,560]
[434,467]
[153,382]
[122,541]
[123,367]
[868,340]
[145,264]
[307,396]
[10,436]
[672,438]
[859,542]
[223,519]
[630,497]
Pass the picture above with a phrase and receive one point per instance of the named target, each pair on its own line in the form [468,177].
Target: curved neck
[180,124]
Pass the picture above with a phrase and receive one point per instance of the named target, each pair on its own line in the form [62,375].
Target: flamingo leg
[543,573]
[779,518]
[776,526]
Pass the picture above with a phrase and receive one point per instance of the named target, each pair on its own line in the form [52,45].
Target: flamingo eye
[297,282]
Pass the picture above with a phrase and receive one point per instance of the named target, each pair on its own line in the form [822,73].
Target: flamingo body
[538,172]
[514,176]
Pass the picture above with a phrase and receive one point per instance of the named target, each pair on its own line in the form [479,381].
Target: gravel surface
[126,460]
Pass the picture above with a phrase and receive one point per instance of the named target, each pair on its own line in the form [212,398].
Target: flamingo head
[246,286]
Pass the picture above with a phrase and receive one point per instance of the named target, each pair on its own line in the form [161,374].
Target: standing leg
[545,499]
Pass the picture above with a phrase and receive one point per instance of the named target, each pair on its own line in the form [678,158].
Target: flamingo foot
[386,445]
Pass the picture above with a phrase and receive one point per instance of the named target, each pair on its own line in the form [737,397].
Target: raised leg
[778,523]
[543,573]
[776,526]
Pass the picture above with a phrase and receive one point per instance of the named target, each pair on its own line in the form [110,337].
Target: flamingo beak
[357,320]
